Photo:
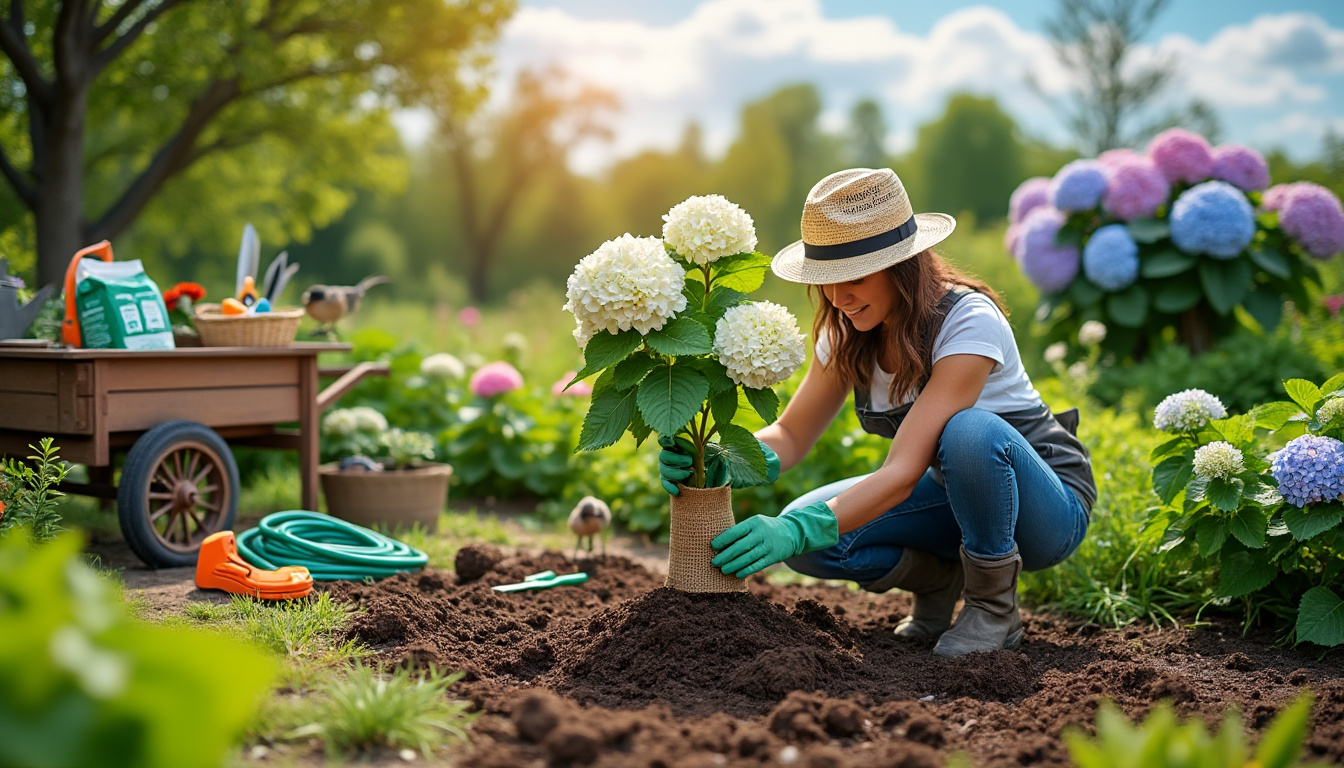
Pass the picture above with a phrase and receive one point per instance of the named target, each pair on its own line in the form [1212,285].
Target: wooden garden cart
[173,413]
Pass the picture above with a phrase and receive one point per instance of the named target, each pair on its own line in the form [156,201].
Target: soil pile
[647,676]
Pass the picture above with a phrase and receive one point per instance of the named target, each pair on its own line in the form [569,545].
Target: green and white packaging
[119,307]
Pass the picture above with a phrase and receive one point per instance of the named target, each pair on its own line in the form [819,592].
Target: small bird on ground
[328,303]
[590,517]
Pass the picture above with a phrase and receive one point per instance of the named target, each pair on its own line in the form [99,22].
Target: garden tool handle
[70,325]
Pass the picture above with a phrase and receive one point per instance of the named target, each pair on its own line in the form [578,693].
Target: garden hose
[330,548]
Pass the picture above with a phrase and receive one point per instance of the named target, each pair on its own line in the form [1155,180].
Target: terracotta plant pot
[698,515]
[394,497]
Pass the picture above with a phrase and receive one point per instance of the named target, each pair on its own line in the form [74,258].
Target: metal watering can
[16,319]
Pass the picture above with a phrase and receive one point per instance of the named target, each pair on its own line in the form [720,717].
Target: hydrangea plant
[1178,237]
[667,328]
[1269,519]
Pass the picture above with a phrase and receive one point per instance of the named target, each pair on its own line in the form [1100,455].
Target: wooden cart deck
[96,402]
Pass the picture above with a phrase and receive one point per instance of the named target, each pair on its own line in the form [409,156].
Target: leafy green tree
[867,135]
[271,108]
[970,158]
[494,160]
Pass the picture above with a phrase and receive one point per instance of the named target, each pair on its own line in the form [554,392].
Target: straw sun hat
[855,223]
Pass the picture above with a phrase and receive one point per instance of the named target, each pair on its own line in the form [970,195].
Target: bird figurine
[590,517]
[328,303]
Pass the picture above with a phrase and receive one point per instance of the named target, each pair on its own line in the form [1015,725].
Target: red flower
[193,291]
[1334,303]
[171,296]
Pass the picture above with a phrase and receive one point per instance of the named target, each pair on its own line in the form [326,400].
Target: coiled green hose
[330,548]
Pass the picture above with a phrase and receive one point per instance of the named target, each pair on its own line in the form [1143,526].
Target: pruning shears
[543,580]
[277,275]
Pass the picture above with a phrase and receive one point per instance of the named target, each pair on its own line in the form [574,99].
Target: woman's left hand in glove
[759,542]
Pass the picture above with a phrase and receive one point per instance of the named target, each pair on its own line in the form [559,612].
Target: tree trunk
[1194,331]
[60,188]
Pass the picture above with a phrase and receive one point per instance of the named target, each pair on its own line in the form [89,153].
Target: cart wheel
[179,485]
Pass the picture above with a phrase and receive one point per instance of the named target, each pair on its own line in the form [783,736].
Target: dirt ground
[621,672]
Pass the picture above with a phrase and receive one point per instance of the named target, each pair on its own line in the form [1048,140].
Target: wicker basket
[276,328]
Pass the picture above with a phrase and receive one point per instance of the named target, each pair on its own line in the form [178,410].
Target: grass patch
[365,709]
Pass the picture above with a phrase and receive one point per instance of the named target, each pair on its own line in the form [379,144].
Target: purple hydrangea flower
[1134,188]
[1309,469]
[1313,217]
[1277,196]
[1213,218]
[1028,196]
[1240,166]
[1050,266]
[1118,155]
[1181,155]
[1078,186]
[1111,258]
[1010,238]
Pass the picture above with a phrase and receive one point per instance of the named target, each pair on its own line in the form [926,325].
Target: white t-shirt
[973,326]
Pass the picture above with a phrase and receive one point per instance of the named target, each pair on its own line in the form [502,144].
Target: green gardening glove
[759,542]
[675,465]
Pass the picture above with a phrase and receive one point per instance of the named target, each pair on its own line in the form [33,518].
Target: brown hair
[919,283]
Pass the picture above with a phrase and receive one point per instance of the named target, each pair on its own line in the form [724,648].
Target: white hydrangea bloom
[514,342]
[1092,333]
[340,423]
[368,420]
[629,282]
[1330,410]
[759,343]
[1055,352]
[442,366]
[1219,459]
[1078,370]
[706,228]
[1187,410]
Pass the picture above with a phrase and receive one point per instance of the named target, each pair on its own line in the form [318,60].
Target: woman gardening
[981,481]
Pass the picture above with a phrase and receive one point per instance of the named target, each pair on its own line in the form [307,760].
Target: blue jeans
[999,492]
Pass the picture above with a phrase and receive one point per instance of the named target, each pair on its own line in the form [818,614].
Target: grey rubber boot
[989,620]
[936,584]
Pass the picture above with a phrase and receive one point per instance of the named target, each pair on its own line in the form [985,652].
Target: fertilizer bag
[119,307]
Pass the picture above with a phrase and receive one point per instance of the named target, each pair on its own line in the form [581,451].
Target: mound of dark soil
[622,672]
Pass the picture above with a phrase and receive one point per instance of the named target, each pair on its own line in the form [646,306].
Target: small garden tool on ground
[543,580]
[220,567]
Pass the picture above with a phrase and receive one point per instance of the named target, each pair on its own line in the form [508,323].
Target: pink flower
[470,317]
[1029,194]
[1134,188]
[1313,216]
[1010,238]
[1333,303]
[1277,196]
[1182,155]
[580,388]
[1241,166]
[495,379]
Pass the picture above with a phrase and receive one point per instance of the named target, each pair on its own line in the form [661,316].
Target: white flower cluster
[344,422]
[1330,410]
[706,228]
[1187,410]
[759,343]
[1055,352]
[1219,460]
[1092,333]
[442,366]
[629,282]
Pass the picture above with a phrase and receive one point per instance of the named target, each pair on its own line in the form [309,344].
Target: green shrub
[85,686]
[1161,742]
[364,710]
[1224,503]
[28,493]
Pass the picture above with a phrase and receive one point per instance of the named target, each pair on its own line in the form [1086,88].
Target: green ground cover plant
[1257,497]
[29,499]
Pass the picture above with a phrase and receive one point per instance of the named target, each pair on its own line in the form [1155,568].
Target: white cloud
[727,52]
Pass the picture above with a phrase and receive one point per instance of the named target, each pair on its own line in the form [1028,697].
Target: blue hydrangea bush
[1177,237]
[1260,497]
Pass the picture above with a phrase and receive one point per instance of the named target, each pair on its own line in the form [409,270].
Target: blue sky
[1273,71]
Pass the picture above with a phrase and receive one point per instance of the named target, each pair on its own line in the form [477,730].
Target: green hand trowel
[543,580]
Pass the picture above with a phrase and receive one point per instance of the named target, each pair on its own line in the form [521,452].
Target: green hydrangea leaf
[682,336]
[1166,263]
[1273,416]
[669,396]
[607,419]
[1320,618]
[723,406]
[764,401]
[1172,475]
[605,350]
[1249,524]
[1272,262]
[1176,296]
[721,298]
[1149,231]
[1304,393]
[1242,573]
[1313,520]
[744,272]
[742,451]
[1225,283]
[1128,308]
[632,370]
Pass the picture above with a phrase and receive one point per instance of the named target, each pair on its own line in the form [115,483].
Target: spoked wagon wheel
[178,486]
